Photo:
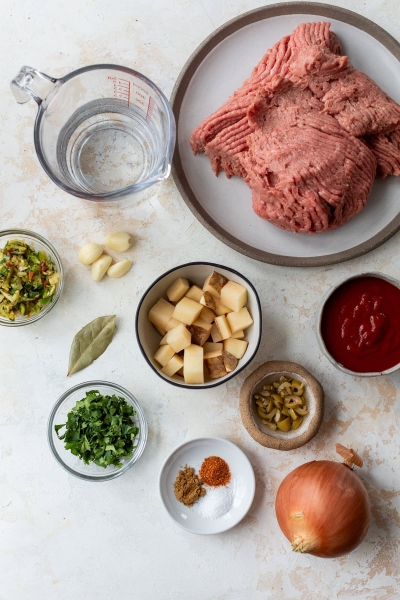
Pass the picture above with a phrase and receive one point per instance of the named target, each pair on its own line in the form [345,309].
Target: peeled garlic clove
[89,253]
[119,269]
[118,241]
[100,266]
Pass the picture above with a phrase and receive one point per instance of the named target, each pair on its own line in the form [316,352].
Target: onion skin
[323,509]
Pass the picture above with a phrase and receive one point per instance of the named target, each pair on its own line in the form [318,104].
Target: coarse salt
[216,503]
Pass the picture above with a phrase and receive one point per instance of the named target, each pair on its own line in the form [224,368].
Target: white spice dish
[192,453]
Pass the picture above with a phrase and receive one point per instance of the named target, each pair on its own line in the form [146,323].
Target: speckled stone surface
[64,538]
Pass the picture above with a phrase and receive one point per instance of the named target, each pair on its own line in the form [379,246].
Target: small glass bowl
[38,243]
[73,464]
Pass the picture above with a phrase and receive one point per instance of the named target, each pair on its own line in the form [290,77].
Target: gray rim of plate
[178,93]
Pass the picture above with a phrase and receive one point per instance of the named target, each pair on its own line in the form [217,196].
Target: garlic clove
[89,253]
[118,241]
[100,266]
[119,269]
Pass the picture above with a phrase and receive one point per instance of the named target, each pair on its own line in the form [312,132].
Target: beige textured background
[63,538]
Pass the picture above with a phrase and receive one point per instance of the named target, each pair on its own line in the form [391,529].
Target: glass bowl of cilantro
[97,430]
[31,277]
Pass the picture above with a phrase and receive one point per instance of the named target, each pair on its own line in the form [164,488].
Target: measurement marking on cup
[150,109]
[122,89]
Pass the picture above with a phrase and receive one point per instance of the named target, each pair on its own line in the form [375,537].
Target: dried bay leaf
[90,342]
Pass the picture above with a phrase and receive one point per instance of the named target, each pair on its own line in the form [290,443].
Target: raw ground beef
[292,132]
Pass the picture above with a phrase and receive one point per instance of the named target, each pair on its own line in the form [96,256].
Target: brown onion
[323,509]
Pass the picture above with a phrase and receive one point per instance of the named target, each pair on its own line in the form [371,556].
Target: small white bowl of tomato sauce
[358,325]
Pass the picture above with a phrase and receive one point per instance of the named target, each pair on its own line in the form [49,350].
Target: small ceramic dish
[314,395]
[196,272]
[37,242]
[192,453]
[318,325]
[73,464]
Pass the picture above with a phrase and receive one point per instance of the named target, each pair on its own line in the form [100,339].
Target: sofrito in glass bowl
[31,277]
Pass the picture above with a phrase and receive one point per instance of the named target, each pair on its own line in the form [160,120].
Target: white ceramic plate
[193,453]
[149,339]
[214,71]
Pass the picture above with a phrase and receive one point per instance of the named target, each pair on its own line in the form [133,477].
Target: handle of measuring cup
[31,83]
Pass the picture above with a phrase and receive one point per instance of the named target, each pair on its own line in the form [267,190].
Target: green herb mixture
[99,429]
[27,280]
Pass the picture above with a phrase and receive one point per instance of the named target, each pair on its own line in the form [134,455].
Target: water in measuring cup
[107,146]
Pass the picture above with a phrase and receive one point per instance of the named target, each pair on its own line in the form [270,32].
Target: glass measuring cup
[102,132]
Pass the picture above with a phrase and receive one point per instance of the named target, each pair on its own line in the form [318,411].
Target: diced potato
[200,331]
[207,315]
[215,334]
[223,327]
[209,288]
[208,300]
[178,289]
[234,295]
[163,341]
[216,282]
[230,361]
[235,347]
[161,313]
[179,338]
[173,366]
[238,335]
[164,355]
[187,310]
[220,309]
[211,347]
[160,330]
[195,293]
[193,367]
[239,320]
[172,323]
[214,363]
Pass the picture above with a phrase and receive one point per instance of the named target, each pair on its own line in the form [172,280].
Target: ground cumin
[215,471]
[187,487]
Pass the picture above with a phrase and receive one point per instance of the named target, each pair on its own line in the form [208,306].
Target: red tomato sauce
[360,325]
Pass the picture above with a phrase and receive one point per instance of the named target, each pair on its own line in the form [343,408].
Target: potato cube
[160,313]
[164,354]
[163,341]
[214,283]
[207,315]
[235,347]
[239,335]
[230,361]
[223,327]
[178,289]
[234,295]
[173,366]
[160,330]
[172,323]
[193,367]
[200,331]
[212,347]
[214,362]
[215,334]
[208,300]
[220,309]
[179,338]
[239,320]
[195,293]
[187,310]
